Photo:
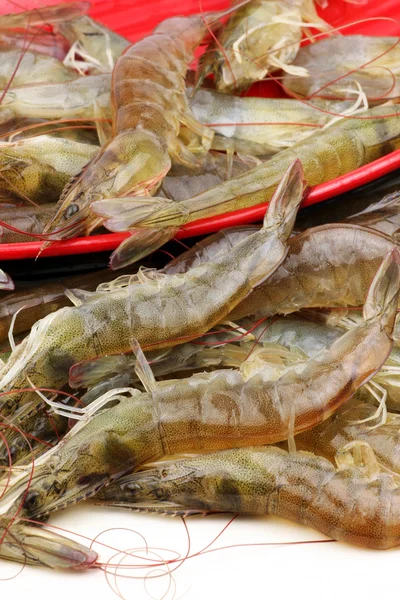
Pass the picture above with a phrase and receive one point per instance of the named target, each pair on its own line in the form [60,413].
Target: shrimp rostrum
[209,411]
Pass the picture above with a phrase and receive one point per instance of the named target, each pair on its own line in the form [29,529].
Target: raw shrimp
[29,219]
[75,99]
[32,68]
[327,266]
[260,37]
[99,46]
[355,422]
[44,15]
[42,300]
[336,68]
[39,167]
[160,313]
[383,215]
[352,502]
[208,411]
[341,148]
[149,106]
[39,546]
[266,124]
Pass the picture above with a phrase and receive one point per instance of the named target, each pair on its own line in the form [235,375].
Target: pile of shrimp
[258,372]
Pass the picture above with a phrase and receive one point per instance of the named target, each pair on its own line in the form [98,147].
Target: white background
[324,571]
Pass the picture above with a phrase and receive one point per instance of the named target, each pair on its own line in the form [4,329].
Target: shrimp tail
[38,546]
[141,243]
[284,204]
[382,300]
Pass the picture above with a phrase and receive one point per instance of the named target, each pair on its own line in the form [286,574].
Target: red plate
[376,17]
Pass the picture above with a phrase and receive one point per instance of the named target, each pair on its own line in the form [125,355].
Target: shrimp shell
[348,503]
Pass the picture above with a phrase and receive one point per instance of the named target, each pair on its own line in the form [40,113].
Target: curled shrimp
[343,147]
[353,502]
[208,411]
[260,37]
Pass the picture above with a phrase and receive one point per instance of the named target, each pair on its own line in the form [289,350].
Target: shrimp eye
[71,210]
[31,500]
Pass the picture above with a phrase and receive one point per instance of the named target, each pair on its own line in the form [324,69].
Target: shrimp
[266,124]
[343,147]
[149,105]
[39,167]
[39,546]
[338,66]
[44,15]
[29,219]
[209,411]
[353,502]
[32,68]
[383,215]
[98,45]
[42,300]
[327,266]
[72,100]
[163,312]
[260,37]
[41,43]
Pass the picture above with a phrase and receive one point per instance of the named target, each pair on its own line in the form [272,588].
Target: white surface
[324,571]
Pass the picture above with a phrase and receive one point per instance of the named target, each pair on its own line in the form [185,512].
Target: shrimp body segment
[347,503]
[211,411]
